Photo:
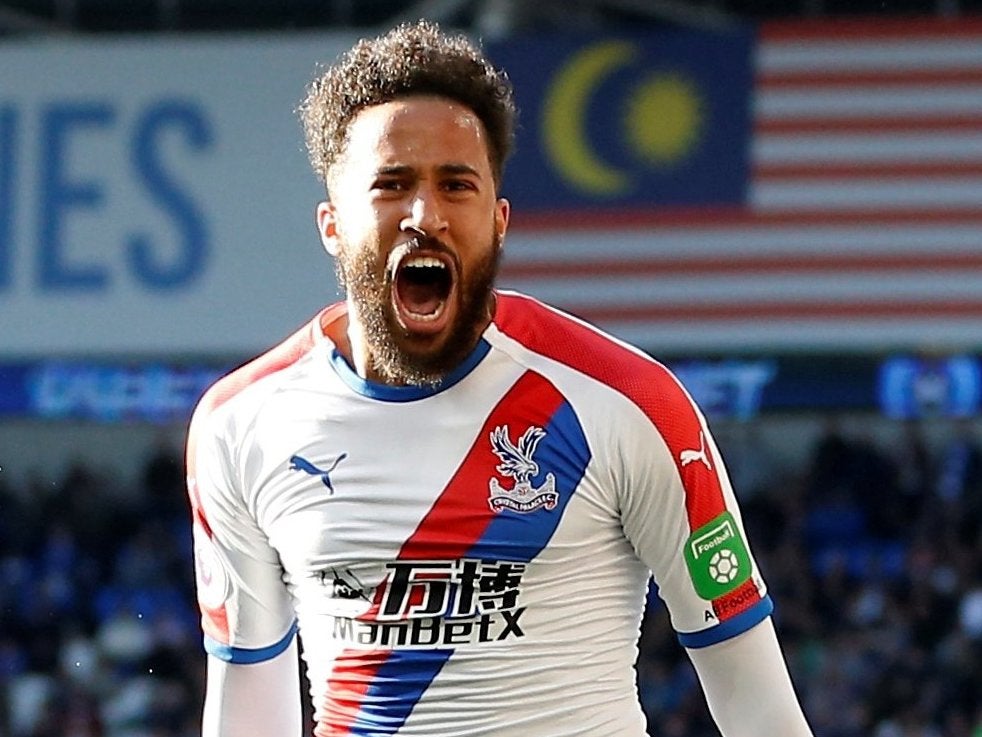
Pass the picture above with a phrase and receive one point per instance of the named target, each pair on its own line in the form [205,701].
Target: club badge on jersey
[517,463]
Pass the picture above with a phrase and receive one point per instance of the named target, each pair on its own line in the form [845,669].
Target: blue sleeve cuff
[245,655]
[730,628]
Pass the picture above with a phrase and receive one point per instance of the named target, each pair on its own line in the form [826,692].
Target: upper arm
[680,514]
[246,611]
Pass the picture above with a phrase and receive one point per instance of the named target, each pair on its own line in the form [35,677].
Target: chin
[423,360]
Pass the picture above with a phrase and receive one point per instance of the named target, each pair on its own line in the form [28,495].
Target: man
[456,495]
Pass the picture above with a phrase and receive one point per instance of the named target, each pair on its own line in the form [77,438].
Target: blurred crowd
[98,635]
[872,552]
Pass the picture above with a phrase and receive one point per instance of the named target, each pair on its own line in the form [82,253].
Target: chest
[356,487]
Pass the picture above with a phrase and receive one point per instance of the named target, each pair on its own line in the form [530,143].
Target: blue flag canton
[655,120]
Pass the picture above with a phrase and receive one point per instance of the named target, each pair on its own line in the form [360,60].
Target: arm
[255,699]
[247,614]
[680,513]
[747,686]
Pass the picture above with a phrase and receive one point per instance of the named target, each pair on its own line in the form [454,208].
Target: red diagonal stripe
[351,677]
[461,514]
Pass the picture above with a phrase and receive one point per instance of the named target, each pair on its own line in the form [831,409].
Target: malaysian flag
[861,225]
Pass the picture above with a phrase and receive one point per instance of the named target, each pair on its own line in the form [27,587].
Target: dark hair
[411,59]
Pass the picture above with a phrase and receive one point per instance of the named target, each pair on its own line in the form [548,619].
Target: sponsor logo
[344,584]
[517,463]
[736,604]
[688,456]
[299,463]
[431,631]
[717,557]
[344,594]
[427,603]
[449,588]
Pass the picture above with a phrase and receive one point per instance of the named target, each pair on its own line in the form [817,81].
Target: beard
[391,350]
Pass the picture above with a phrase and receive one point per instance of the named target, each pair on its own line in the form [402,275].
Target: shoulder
[263,370]
[562,338]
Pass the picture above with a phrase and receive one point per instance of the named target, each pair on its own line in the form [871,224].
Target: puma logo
[299,463]
[688,456]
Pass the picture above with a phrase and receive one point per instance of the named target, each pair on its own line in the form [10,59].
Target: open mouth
[422,285]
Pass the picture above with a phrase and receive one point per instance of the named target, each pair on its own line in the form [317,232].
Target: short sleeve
[246,611]
[681,516]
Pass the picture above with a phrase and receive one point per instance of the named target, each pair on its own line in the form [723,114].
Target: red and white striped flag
[863,226]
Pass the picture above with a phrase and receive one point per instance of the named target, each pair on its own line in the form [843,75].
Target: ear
[327,226]
[502,212]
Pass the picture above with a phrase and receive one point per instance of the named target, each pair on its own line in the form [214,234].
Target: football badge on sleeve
[717,557]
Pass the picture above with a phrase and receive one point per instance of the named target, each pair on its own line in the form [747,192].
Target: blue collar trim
[389,393]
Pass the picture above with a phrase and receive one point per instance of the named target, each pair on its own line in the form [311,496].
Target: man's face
[416,228]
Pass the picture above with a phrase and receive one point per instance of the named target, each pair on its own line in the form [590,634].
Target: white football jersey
[468,559]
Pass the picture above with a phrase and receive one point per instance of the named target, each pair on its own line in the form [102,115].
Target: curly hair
[411,59]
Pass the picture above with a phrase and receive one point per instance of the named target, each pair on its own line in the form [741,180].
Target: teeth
[419,262]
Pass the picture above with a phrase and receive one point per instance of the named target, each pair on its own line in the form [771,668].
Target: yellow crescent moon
[564,111]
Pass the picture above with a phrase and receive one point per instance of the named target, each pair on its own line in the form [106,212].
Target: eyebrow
[458,169]
[402,170]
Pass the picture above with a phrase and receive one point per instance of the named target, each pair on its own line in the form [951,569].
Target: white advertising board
[155,196]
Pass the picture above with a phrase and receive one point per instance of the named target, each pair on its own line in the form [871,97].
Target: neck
[360,355]
[356,350]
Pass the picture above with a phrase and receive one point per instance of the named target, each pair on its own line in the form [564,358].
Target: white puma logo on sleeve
[688,456]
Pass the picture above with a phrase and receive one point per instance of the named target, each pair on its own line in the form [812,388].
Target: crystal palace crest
[517,463]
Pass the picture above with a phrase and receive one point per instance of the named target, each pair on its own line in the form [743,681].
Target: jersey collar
[388,393]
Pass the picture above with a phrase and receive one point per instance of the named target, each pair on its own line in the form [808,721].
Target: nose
[425,214]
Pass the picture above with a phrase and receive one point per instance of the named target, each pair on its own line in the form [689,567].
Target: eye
[389,185]
[458,185]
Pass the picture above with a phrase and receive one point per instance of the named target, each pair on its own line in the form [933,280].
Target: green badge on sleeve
[717,557]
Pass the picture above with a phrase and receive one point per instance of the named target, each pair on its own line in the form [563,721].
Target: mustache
[422,242]
[419,243]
